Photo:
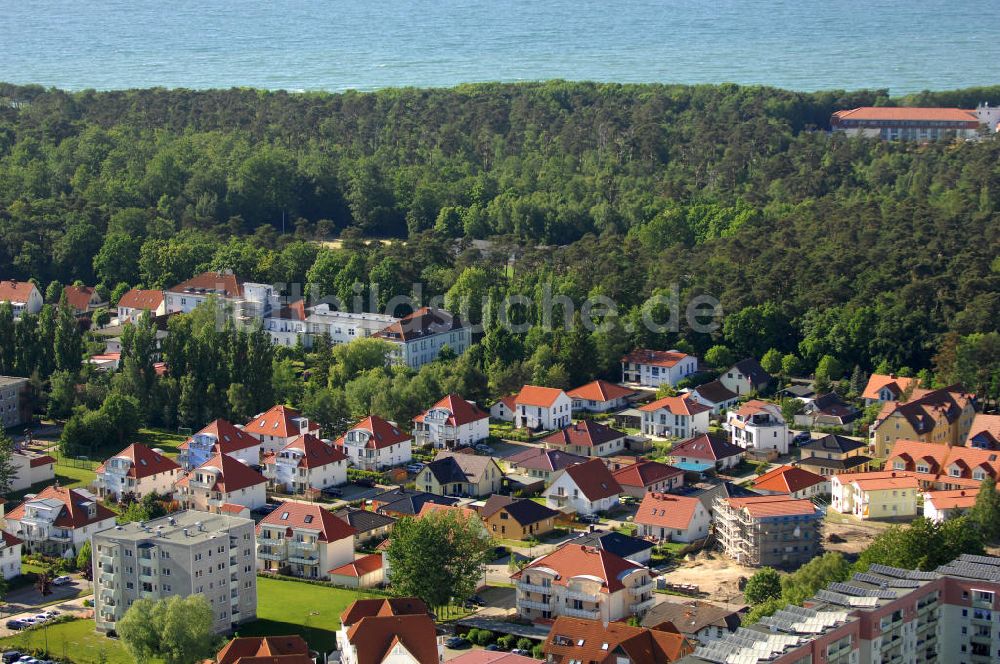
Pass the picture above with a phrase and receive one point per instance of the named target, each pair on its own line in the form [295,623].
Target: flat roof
[171,528]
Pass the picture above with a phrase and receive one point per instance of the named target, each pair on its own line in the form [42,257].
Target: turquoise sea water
[903,45]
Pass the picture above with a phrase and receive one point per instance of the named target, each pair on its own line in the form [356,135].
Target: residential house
[222,480]
[517,518]
[278,426]
[504,409]
[24,298]
[15,402]
[368,526]
[137,301]
[375,444]
[937,416]
[745,377]
[645,476]
[457,474]
[706,452]
[286,324]
[406,502]
[587,438]
[224,286]
[306,464]
[716,396]
[137,471]
[57,521]
[774,531]
[710,494]
[451,422]
[290,649]
[669,518]
[791,481]
[636,549]
[582,582]
[678,417]
[419,337]
[882,388]
[342,327]
[804,392]
[31,467]
[600,396]
[542,463]
[303,539]
[185,553]
[575,640]
[10,556]
[699,622]
[365,571]
[542,408]
[388,631]
[944,467]
[828,410]
[583,488]
[984,432]
[219,437]
[82,299]
[833,454]
[652,368]
[943,505]
[759,425]
[875,495]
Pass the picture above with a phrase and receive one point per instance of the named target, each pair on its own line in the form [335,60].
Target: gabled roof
[755,406]
[524,510]
[585,433]
[751,368]
[832,442]
[229,437]
[660,358]
[645,473]
[940,457]
[224,284]
[706,446]
[787,479]
[763,507]
[374,637]
[148,300]
[408,501]
[723,490]
[600,390]
[364,520]
[382,433]
[491,657]
[278,421]
[359,566]
[691,616]
[242,648]
[667,510]
[910,113]
[233,474]
[573,560]
[391,606]
[537,458]
[949,500]
[292,311]
[621,545]
[462,412]
[715,392]
[681,405]
[449,467]
[310,517]
[533,395]
[145,462]
[74,512]
[984,432]
[16,292]
[880,480]
[895,384]
[423,322]
[79,297]
[590,641]
[593,479]
[315,453]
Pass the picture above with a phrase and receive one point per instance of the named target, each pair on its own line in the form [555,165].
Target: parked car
[332,492]
[365,482]
[11,655]
[493,647]
[14,624]
[589,518]
[803,437]
[50,614]
[265,509]
[477,600]
[484,448]
[41,617]
[521,651]
[62,580]
[415,468]
[457,643]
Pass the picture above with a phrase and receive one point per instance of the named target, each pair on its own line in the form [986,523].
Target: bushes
[480,637]
[507,641]
[525,643]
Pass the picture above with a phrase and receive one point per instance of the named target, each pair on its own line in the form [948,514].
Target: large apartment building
[15,407]
[184,554]
[907,123]
[776,531]
[652,368]
[419,337]
[942,416]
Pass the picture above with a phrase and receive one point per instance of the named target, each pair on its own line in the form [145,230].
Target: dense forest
[863,253]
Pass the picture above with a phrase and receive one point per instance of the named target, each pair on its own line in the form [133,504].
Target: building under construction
[776,531]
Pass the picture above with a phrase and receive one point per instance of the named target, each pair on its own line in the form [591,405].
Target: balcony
[106,578]
[589,614]
[302,546]
[582,596]
[267,541]
[642,589]
[534,588]
[105,559]
[644,605]
[270,555]
[532,604]
[303,559]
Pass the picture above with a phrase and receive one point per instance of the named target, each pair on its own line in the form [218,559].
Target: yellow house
[932,416]
[453,474]
[517,519]
[879,495]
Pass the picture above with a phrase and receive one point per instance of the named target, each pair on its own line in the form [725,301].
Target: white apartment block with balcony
[542,408]
[137,471]
[451,422]
[186,553]
[303,539]
[222,481]
[57,521]
[343,326]
[31,467]
[653,368]
[759,425]
[583,582]
[306,463]
[376,444]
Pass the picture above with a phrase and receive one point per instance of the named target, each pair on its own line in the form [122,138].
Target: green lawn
[74,641]
[166,440]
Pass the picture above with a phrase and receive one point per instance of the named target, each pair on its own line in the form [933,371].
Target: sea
[335,45]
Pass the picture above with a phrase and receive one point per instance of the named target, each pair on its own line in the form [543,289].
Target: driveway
[29,600]
[73,606]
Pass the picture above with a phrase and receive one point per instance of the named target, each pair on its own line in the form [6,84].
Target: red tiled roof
[908,113]
[233,476]
[42,460]
[956,499]
[234,508]
[880,480]
[383,434]
[242,648]
[11,540]
[392,606]
[15,291]
[73,514]
[585,433]
[939,457]
[896,384]
[492,657]
[533,395]
[462,412]
[428,508]
[225,284]
[600,390]
[676,405]
[230,437]
[510,401]
[423,322]
[645,473]
[360,566]
[667,510]
[147,300]
[573,560]
[315,453]
[145,462]
[580,640]
[310,516]
[755,406]
[593,479]
[278,422]
[537,458]
[787,479]
[706,446]
[986,427]
[78,297]
[660,358]
[374,637]
[768,506]
[293,311]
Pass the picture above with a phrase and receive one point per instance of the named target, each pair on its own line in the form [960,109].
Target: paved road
[72,606]
[28,599]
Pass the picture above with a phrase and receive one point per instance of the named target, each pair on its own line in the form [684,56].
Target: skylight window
[284,516]
[309,518]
